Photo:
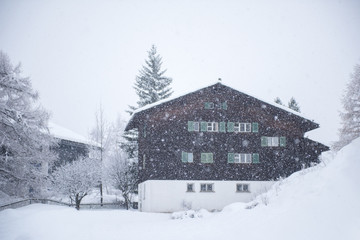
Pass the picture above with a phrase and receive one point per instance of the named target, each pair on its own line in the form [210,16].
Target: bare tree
[77,178]
[122,174]
[102,134]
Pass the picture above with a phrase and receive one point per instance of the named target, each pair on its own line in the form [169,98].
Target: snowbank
[317,203]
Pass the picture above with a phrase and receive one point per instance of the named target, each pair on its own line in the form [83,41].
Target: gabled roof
[149,106]
[66,134]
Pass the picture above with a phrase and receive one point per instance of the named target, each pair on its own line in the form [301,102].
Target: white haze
[81,53]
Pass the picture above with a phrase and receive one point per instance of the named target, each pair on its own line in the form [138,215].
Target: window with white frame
[242,127]
[240,187]
[273,141]
[212,127]
[242,157]
[206,187]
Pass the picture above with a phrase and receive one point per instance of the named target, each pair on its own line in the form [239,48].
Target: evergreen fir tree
[351,116]
[151,86]
[294,105]
[278,101]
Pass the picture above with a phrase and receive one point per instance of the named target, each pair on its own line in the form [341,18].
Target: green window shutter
[255,127]
[184,156]
[190,157]
[264,141]
[210,158]
[224,105]
[208,105]
[190,126]
[282,141]
[255,158]
[203,126]
[203,157]
[222,127]
[230,157]
[230,127]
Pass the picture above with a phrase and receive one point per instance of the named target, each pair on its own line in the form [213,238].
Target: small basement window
[190,187]
[207,187]
[242,187]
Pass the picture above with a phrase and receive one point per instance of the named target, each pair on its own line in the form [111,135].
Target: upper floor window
[207,158]
[187,157]
[218,105]
[209,105]
[242,127]
[273,141]
[212,127]
[193,126]
[243,158]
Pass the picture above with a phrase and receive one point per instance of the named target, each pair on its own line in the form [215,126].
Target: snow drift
[317,203]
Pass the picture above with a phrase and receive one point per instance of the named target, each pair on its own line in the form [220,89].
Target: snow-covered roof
[66,134]
[213,84]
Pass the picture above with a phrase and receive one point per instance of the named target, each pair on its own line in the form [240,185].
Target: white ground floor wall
[172,195]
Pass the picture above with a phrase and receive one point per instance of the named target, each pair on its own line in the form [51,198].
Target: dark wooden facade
[164,134]
[69,151]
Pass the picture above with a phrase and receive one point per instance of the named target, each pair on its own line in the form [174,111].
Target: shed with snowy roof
[215,146]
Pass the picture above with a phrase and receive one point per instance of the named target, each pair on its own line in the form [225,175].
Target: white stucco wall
[172,195]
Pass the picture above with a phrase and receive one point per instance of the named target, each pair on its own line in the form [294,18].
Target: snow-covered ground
[322,202]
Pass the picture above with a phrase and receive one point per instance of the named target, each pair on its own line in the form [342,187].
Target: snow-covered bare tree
[101,134]
[77,179]
[294,105]
[351,116]
[24,138]
[122,174]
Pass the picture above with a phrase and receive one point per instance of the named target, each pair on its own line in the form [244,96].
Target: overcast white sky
[81,53]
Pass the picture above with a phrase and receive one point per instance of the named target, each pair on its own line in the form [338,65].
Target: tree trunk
[77,201]
[101,194]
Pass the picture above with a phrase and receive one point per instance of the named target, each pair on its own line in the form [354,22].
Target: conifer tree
[351,116]
[294,105]
[151,86]
[278,101]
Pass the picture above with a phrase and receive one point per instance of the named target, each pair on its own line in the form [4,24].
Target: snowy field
[322,202]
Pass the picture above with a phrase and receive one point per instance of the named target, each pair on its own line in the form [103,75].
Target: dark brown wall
[167,135]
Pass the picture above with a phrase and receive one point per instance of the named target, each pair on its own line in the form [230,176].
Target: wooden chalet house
[215,146]
[71,146]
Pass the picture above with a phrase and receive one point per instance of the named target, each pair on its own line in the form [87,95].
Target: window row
[188,157]
[273,141]
[243,158]
[209,187]
[211,105]
[222,127]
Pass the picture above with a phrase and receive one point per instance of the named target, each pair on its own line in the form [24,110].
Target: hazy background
[83,53]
